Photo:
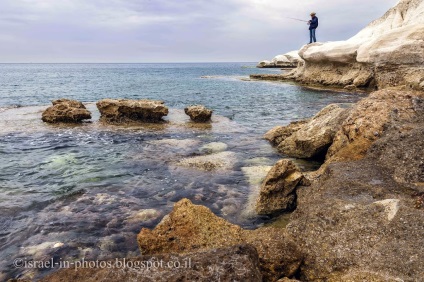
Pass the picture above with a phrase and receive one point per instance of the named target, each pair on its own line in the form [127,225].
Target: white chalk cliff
[388,52]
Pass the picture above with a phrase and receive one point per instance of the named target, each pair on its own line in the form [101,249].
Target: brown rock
[314,138]
[277,134]
[368,120]
[198,113]
[278,191]
[64,110]
[123,110]
[235,263]
[191,228]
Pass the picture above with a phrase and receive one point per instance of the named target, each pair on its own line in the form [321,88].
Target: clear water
[72,192]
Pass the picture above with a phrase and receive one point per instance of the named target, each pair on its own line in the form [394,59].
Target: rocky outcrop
[309,139]
[370,118]
[388,52]
[288,60]
[278,191]
[123,110]
[198,113]
[191,228]
[65,110]
[235,263]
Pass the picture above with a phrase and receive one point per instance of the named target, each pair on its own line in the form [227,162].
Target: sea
[73,192]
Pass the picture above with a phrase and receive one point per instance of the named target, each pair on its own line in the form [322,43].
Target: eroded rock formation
[198,113]
[123,110]
[65,110]
[191,228]
[288,60]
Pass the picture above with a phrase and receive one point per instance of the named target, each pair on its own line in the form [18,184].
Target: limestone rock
[367,121]
[277,134]
[278,189]
[388,52]
[191,228]
[288,60]
[212,162]
[198,113]
[123,110]
[234,263]
[64,110]
[316,136]
[213,147]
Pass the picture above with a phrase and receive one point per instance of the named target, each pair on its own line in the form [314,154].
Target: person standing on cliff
[313,24]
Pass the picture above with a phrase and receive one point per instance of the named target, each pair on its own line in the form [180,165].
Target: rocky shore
[360,217]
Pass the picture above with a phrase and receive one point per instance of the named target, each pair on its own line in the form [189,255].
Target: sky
[144,31]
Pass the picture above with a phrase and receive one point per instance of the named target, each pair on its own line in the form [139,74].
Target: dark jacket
[314,23]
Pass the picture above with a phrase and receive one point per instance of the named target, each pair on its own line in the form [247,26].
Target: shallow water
[85,191]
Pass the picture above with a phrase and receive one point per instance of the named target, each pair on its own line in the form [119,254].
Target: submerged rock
[65,110]
[234,263]
[313,138]
[278,192]
[198,113]
[212,162]
[123,110]
[213,147]
[191,228]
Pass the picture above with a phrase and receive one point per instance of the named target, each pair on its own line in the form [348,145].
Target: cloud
[165,30]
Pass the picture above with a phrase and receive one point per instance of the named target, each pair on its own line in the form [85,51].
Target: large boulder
[277,134]
[235,263]
[123,110]
[315,137]
[288,60]
[198,113]
[65,110]
[388,52]
[278,191]
[191,228]
[369,119]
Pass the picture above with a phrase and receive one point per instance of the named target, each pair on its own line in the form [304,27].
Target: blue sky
[172,30]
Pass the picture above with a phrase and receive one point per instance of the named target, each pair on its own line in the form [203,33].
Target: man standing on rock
[313,24]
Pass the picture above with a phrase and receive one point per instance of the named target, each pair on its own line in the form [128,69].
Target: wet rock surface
[123,110]
[198,113]
[235,263]
[191,228]
[66,111]
[278,191]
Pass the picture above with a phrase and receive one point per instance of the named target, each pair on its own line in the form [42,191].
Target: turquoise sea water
[73,192]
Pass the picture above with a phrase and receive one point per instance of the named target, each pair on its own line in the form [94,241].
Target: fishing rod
[296,19]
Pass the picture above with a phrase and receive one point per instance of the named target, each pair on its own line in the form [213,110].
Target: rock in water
[278,190]
[235,263]
[277,134]
[123,110]
[198,113]
[191,228]
[64,110]
[314,137]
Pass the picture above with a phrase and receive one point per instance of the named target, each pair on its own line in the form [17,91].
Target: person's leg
[313,35]
[310,36]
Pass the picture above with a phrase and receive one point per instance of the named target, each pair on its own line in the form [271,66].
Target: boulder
[64,110]
[234,263]
[278,191]
[191,228]
[288,60]
[368,120]
[315,137]
[277,134]
[123,110]
[198,113]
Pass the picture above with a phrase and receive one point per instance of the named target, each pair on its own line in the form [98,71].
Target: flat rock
[213,147]
[67,111]
[198,113]
[213,162]
[124,110]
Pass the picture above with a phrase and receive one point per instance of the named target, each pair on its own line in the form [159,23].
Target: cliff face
[388,52]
